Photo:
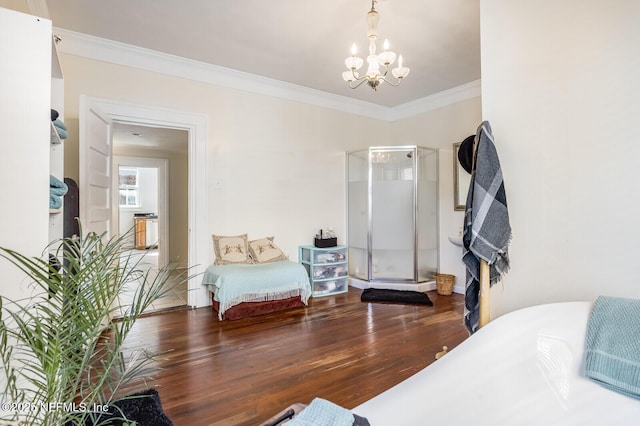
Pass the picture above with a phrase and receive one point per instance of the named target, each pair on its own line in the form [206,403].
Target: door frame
[196,126]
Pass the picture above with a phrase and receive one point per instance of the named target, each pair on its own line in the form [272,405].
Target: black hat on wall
[465,153]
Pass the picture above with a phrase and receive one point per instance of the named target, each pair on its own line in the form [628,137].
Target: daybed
[524,368]
[254,277]
[252,289]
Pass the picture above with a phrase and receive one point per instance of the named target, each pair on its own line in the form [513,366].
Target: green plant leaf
[61,345]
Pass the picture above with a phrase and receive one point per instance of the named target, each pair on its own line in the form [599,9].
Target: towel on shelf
[61,128]
[59,124]
[62,133]
[57,187]
[487,231]
[612,345]
[55,202]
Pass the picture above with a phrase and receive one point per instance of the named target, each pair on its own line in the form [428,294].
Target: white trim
[100,49]
[196,125]
[421,287]
[438,100]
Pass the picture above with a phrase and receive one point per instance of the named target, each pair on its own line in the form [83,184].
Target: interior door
[95,169]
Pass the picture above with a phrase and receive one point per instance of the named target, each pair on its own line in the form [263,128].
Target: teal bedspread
[260,282]
[613,345]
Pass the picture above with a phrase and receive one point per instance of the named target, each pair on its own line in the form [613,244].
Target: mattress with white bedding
[258,282]
[524,368]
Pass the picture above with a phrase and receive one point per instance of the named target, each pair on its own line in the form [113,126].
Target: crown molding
[87,46]
[438,100]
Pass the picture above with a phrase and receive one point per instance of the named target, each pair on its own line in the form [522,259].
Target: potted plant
[61,354]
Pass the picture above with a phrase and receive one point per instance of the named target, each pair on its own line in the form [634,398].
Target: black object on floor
[141,409]
[395,296]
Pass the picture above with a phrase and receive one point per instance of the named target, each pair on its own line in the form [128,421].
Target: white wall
[147,198]
[560,87]
[148,189]
[280,163]
[441,128]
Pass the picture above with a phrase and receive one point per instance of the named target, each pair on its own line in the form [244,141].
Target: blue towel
[57,187]
[323,413]
[61,128]
[55,202]
[613,345]
[62,133]
[59,124]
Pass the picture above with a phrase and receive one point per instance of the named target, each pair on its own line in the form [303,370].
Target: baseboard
[421,287]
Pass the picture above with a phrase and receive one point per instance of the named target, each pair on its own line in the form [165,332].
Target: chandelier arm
[386,79]
[355,77]
[361,80]
[397,83]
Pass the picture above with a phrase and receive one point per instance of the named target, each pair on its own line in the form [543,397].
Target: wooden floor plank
[243,372]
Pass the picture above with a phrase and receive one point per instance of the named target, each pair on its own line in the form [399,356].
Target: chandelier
[378,64]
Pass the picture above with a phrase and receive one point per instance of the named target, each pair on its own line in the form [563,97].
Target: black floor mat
[395,296]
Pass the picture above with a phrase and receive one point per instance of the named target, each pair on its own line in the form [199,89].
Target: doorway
[195,124]
[150,200]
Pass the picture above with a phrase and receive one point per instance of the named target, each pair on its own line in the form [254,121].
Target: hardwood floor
[243,372]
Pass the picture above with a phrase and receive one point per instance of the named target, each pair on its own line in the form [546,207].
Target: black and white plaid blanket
[487,231]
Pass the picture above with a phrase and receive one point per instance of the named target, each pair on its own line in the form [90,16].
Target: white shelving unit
[26,86]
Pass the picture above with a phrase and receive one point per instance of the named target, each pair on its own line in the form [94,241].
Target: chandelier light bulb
[387,57]
[353,63]
[400,72]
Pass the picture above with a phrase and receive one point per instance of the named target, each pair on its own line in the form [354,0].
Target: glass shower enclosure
[392,226]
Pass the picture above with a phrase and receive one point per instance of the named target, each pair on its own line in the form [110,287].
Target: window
[128,186]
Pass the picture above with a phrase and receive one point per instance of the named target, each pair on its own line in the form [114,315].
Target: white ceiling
[296,41]
[150,138]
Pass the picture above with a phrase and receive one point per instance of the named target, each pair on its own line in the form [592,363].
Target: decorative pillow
[231,249]
[264,251]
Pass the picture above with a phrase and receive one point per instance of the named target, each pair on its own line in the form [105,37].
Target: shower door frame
[414,151]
